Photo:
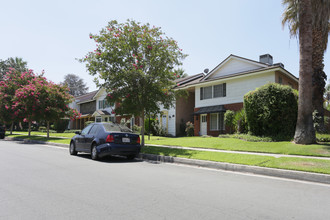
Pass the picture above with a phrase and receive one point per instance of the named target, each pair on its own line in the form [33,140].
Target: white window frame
[219,127]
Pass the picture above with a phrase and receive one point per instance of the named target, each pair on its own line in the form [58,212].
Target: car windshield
[116,127]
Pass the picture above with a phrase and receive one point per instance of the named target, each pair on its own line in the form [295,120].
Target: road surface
[45,182]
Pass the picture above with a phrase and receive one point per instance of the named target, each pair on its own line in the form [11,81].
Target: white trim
[232,57]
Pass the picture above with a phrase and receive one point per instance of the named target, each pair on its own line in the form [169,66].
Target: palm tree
[17,63]
[321,28]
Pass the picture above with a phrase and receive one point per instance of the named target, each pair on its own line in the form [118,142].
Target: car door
[90,137]
[80,139]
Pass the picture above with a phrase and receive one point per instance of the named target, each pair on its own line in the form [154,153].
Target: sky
[52,35]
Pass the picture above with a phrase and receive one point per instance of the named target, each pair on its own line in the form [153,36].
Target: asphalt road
[45,182]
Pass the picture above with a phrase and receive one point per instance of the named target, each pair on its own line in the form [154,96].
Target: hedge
[271,111]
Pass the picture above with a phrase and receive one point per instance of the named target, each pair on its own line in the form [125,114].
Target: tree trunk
[319,77]
[305,133]
[47,129]
[142,129]
[11,128]
[29,128]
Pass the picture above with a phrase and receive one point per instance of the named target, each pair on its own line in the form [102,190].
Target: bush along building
[221,89]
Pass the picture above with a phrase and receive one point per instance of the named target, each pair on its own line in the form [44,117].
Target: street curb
[288,174]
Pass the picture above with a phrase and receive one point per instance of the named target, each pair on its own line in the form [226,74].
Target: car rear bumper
[118,149]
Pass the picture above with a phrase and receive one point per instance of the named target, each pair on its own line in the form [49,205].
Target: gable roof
[182,82]
[229,66]
[86,98]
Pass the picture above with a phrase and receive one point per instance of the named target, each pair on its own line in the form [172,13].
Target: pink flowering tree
[43,100]
[136,64]
[11,82]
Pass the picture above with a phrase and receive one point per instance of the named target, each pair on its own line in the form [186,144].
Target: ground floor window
[106,119]
[217,121]
[112,119]
[98,119]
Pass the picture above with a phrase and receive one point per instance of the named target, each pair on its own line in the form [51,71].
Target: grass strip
[299,164]
[40,138]
[283,147]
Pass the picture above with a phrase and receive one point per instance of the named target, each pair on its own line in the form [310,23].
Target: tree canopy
[76,85]
[136,64]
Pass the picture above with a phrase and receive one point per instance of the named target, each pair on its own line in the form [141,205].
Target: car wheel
[73,149]
[131,157]
[94,153]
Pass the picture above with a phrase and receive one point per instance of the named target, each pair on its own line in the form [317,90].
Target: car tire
[131,157]
[72,148]
[94,153]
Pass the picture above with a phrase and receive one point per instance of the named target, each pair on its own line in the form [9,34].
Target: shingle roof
[85,98]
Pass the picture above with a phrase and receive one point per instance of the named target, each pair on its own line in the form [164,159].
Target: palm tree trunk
[305,133]
[319,77]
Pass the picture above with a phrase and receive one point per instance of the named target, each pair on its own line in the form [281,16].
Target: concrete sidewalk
[288,174]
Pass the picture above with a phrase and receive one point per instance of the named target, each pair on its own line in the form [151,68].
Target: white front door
[203,130]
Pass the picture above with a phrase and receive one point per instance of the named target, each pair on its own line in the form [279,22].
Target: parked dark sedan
[2,131]
[104,139]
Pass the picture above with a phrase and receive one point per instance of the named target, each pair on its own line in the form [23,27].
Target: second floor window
[215,91]
[103,104]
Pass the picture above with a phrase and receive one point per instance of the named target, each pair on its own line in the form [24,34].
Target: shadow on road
[109,159]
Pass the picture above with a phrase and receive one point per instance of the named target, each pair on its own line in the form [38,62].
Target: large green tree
[76,85]
[321,28]
[135,63]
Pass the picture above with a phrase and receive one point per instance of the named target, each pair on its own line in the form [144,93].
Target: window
[217,121]
[100,104]
[203,118]
[214,122]
[219,90]
[86,130]
[106,119]
[112,119]
[215,91]
[94,130]
[280,80]
[98,119]
[206,92]
[103,104]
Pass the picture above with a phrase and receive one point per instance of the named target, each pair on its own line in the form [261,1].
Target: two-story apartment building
[93,106]
[223,88]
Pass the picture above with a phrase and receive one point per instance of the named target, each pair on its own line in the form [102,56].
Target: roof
[86,98]
[210,109]
[188,80]
[100,113]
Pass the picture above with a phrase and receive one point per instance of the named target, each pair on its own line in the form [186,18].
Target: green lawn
[65,135]
[289,163]
[301,164]
[283,147]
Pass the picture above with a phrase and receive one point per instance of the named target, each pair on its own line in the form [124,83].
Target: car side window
[94,130]
[86,130]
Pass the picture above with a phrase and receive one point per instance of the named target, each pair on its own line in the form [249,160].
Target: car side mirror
[78,132]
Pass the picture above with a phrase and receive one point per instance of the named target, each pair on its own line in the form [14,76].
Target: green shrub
[42,129]
[71,131]
[190,129]
[88,123]
[271,111]
[229,119]
[240,122]
[152,124]
[137,129]
[61,125]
